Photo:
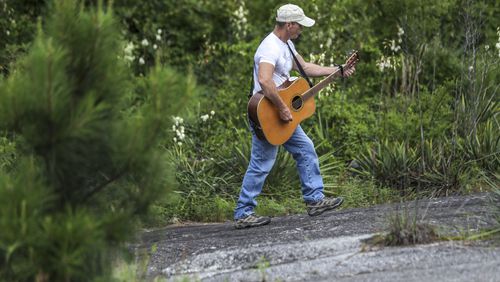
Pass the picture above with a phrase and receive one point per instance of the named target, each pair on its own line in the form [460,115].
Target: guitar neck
[316,88]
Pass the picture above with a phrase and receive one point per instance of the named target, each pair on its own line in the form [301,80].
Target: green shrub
[17,29]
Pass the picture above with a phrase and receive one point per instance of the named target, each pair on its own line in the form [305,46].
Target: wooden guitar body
[299,98]
[266,115]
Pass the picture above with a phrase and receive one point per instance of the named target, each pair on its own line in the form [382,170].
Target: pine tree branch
[103,185]
[120,174]
[149,144]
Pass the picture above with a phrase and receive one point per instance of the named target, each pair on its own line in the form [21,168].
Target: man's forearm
[271,92]
[317,70]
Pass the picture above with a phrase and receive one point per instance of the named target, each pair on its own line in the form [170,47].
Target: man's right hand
[285,114]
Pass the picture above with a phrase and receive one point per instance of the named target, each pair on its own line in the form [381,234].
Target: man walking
[273,62]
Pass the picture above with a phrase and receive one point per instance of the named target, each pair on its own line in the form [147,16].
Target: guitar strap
[301,70]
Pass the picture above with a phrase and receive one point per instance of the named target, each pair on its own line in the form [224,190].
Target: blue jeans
[262,160]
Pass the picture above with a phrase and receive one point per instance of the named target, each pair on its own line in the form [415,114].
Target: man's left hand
[349,69]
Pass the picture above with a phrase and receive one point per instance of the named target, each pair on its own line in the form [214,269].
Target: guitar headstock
[353,58]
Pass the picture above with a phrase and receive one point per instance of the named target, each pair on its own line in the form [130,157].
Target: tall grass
[406,228]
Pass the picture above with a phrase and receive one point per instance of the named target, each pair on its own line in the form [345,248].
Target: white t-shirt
[274,51]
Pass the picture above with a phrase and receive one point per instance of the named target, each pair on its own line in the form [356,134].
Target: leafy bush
[174,32]
[17,29]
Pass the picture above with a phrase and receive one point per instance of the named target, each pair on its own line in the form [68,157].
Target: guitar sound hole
[297,103]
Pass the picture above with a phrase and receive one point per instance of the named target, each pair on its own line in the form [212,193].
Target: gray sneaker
[251,220]
[323,205]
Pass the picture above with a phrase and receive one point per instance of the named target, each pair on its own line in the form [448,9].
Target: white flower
[486,47]
[173,127]
[128,51]
[212,112]
[144,42]
[129,48]
[179,143]
[159,31]
[384,63]
[158,37]
[471,68]
[129,58]
[175,139]
[401,31]
[7,32]
[178,120]
[141,61]
[155,46]
[498,43]
[204,118]
[182,129]
[394,47]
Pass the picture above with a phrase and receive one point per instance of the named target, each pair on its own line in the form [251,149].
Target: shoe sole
[249,225]
[322,210]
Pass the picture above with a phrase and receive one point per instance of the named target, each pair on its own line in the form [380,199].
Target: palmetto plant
[399,165]
[391,164]
[438,168]
[483,148]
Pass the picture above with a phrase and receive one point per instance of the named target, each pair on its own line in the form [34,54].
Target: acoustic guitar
[299,98]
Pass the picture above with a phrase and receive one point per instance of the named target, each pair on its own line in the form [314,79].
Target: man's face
[294,29]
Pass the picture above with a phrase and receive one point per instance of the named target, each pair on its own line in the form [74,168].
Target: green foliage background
[419,117]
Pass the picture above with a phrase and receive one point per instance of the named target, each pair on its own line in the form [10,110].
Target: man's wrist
[340,70]
[282,106]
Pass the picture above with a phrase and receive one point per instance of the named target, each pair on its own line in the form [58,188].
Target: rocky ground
[330,247]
